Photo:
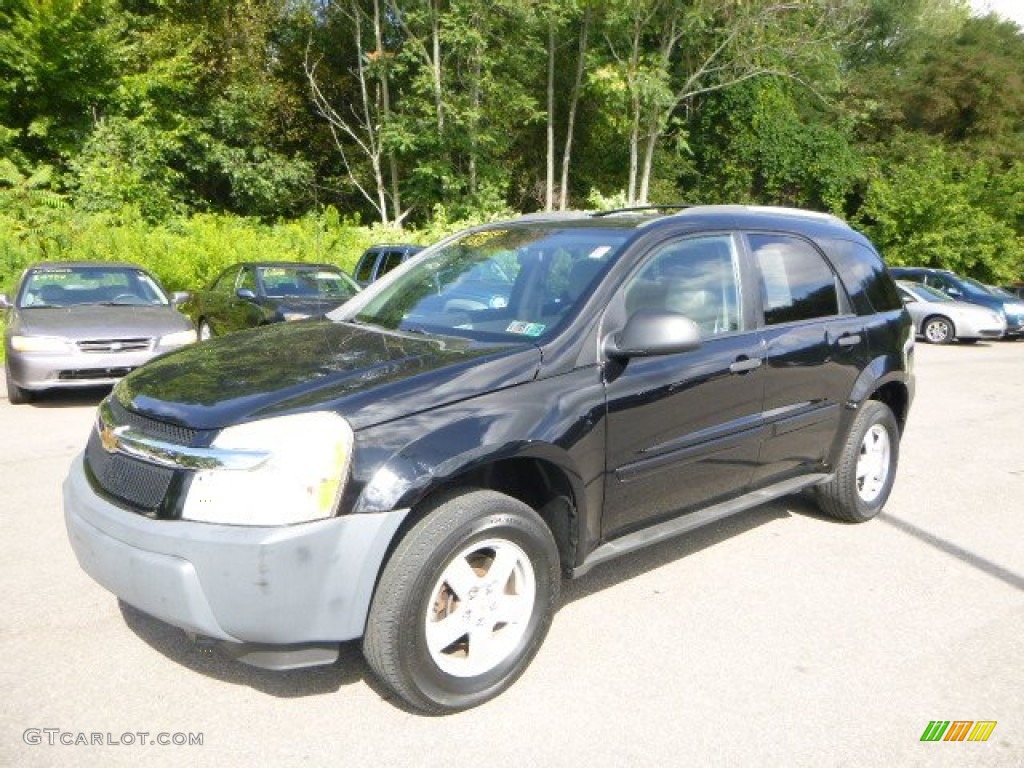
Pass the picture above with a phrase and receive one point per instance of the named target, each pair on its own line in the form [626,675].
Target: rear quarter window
[864,276]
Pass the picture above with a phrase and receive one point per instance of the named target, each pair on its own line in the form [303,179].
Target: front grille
[115,345]
[139,485]
[160,430]
[94,374]
[142,486]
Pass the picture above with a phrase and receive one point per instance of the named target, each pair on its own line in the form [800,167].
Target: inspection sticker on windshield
[525,329]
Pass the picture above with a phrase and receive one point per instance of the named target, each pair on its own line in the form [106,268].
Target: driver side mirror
[954,292]
[651,333]
[180,297]
[5,303]
[245,293]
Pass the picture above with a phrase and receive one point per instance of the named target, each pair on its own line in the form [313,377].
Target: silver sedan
[940,319]
[78,324]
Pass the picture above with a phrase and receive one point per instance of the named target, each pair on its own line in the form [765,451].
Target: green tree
[58,66]
[935,209]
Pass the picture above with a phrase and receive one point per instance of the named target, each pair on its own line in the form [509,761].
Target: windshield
[306,282]
[981,288]
[503,284]
[926,292]
[74,286]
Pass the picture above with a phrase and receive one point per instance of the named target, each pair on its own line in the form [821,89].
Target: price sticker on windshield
[521,328]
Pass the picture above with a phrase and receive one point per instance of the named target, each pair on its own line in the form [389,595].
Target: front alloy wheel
[481,608]
[464,602]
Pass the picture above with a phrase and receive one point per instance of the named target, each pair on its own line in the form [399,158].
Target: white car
[941,320]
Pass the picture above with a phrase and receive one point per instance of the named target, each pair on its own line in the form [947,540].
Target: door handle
[745,364]
[848,340]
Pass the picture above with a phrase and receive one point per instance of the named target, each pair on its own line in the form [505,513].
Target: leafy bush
[937,209]
[187,252]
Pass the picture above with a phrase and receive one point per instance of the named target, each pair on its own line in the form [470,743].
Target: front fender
[558,421]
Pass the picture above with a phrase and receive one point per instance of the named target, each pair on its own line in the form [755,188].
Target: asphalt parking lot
[777,638]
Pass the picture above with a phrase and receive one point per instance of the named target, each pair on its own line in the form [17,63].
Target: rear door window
[796,282]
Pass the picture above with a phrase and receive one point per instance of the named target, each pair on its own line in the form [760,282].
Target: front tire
[938,330]
[16,395]
[867,467]
[464,603]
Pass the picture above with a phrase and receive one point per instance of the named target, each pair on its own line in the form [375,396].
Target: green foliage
[764,142]
[188,252]
[58,62]
[940,210]
[183,134]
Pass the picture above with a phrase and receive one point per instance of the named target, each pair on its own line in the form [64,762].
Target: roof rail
[566,214]
[643,208]
[774,210]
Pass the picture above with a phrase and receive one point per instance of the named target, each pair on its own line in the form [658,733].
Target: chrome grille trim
[121,438]
[115,345]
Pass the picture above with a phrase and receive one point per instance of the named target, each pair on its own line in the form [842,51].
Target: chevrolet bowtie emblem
[108,439]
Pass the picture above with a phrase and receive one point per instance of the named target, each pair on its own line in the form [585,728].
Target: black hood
[367,375]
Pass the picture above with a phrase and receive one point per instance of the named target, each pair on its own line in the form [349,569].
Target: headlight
[179,339]
[300,482]
[39,344]
[1014,307]
[289,316]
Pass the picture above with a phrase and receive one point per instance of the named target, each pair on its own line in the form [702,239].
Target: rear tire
[867,467]
[464,603]
[16,395]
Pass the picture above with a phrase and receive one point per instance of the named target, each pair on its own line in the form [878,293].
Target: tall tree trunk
[635,103]
[634,152]
[396,193]
[549,187]
[474,127]
[435,35]
[563,192]
[372,126]
[650,145]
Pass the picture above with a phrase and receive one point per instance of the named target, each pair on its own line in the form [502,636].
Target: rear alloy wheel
[938,330]
[16,395]
[464,602]
[867,466]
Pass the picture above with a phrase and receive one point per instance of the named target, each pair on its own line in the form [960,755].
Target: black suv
[422,474]
[969,290]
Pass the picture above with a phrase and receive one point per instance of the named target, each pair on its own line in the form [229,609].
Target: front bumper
[73,369]
[1014,325]
[308,583]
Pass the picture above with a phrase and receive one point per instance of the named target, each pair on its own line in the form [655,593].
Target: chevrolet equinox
[421,473]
